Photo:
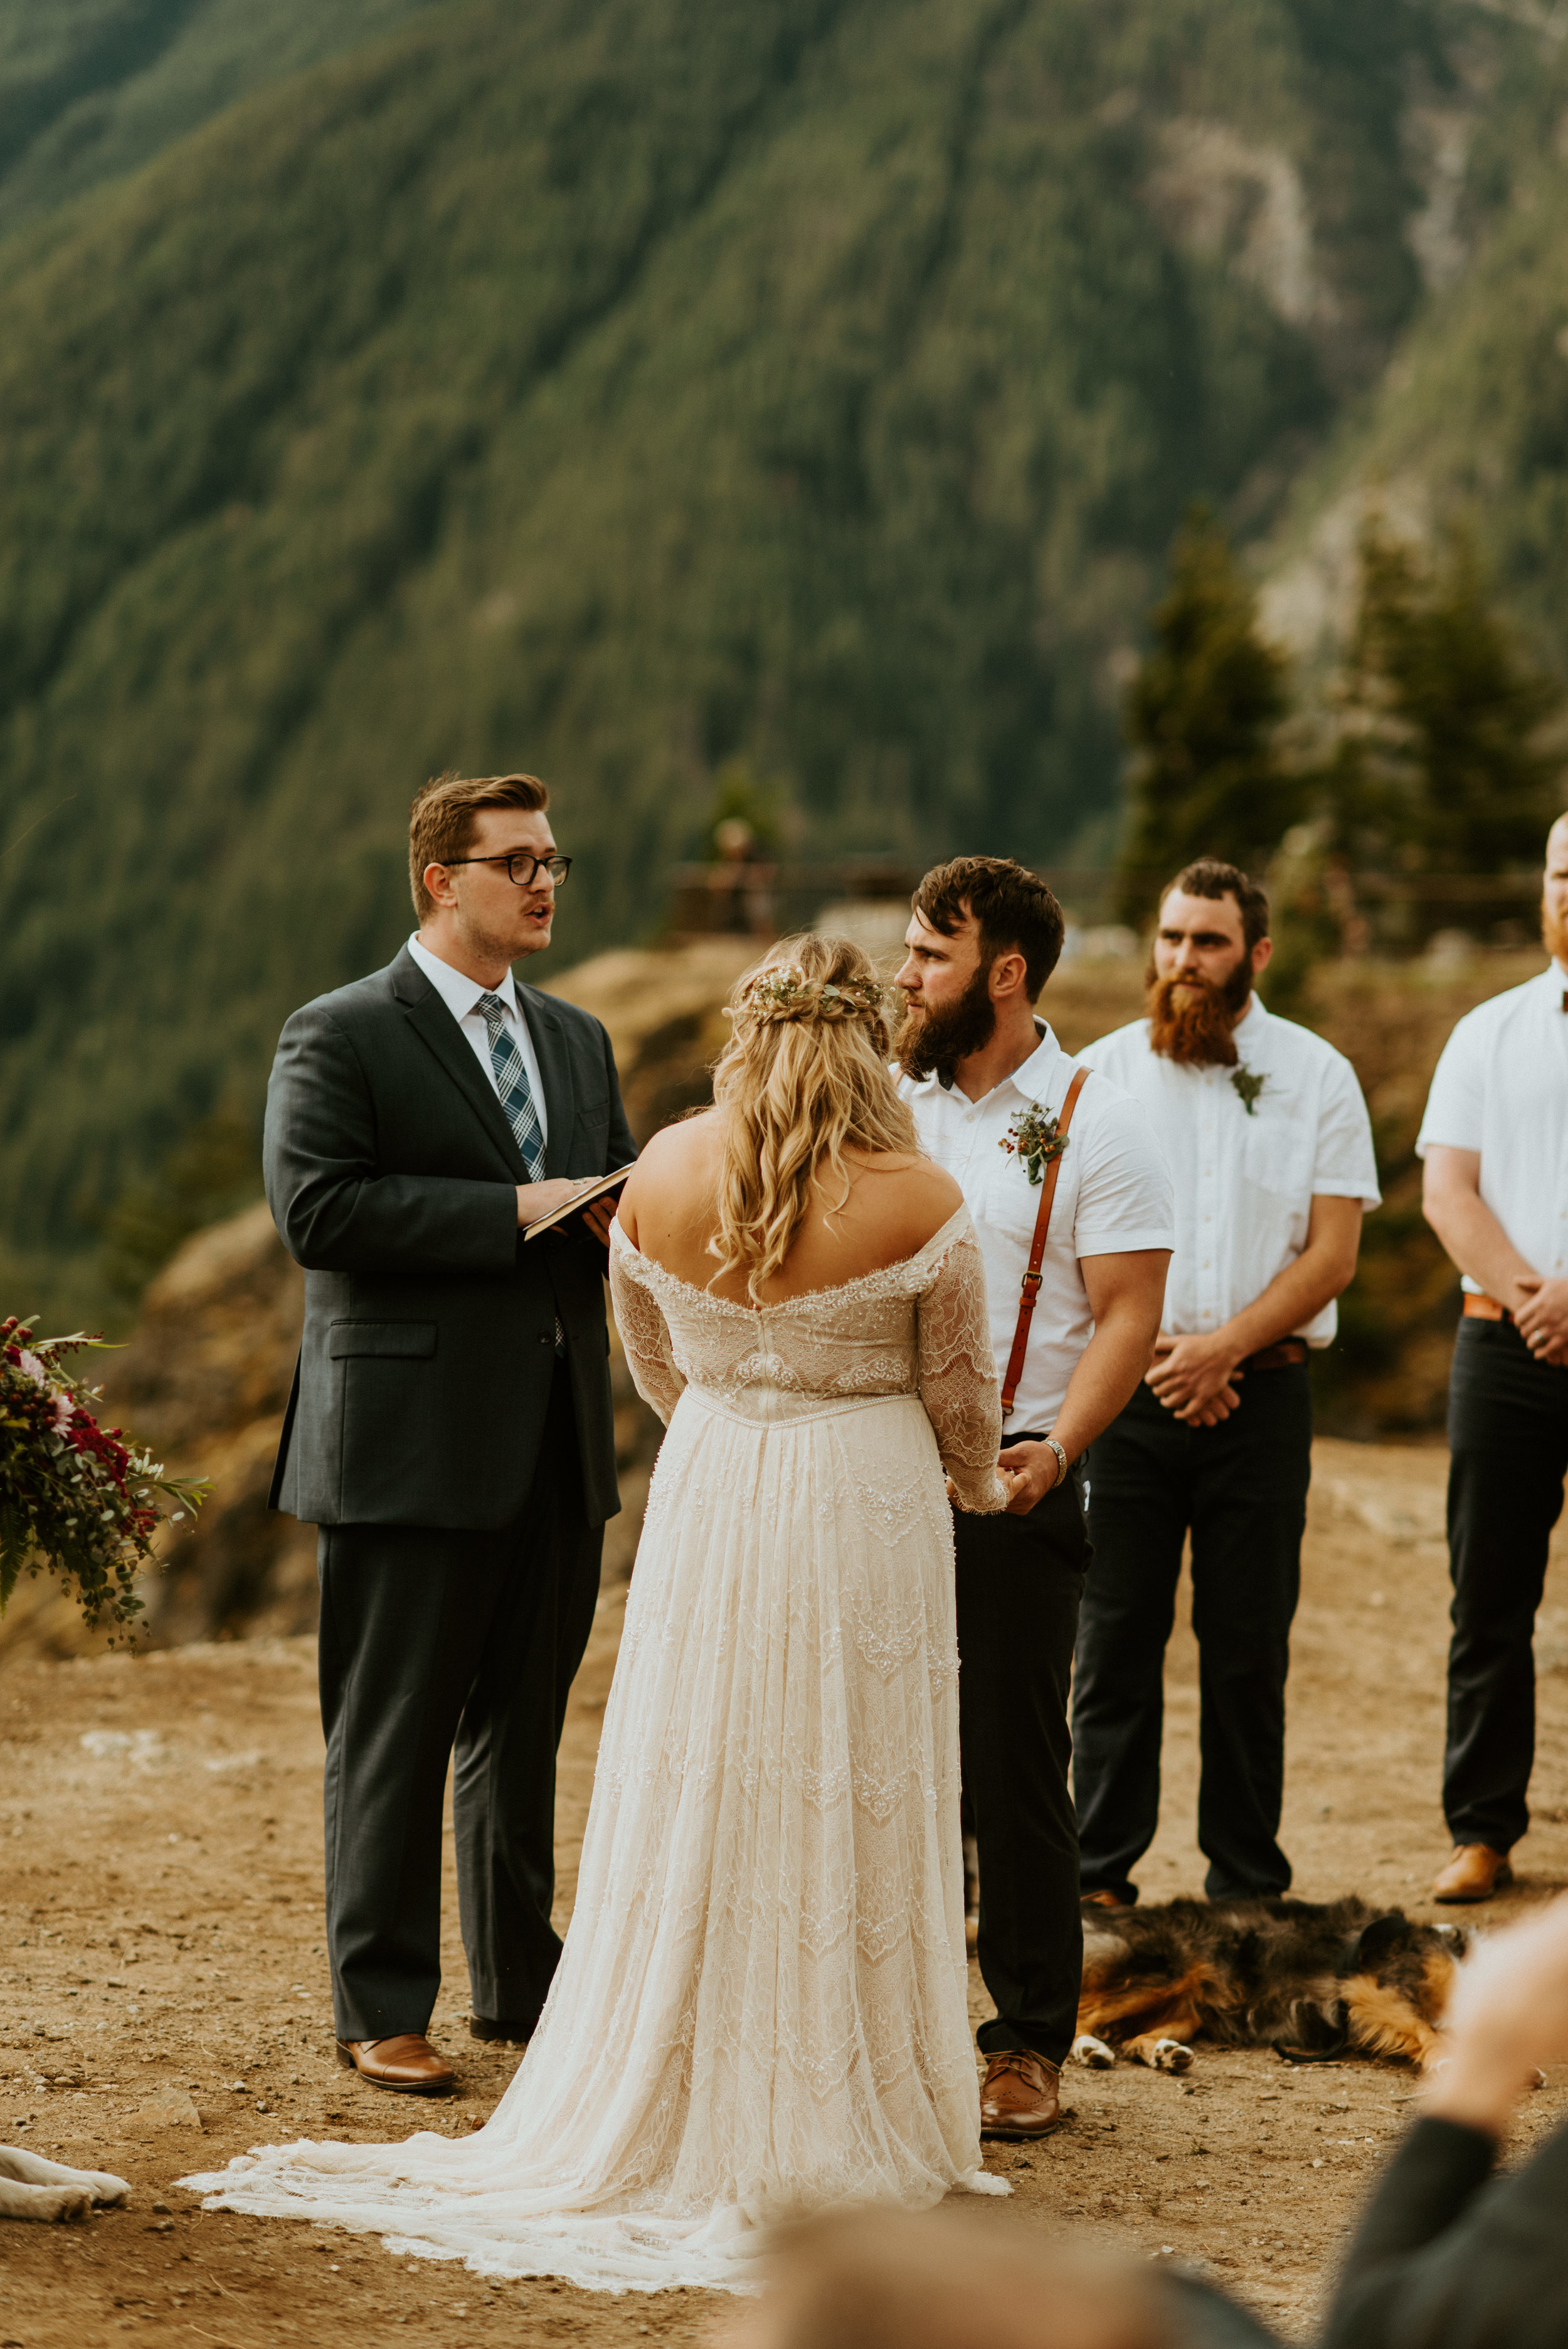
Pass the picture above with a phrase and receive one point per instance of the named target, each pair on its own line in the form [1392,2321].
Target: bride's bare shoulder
[911,1195]
[674,1169]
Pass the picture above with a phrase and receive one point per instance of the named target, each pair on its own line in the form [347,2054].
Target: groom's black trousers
[1019,1581]
[437,1645]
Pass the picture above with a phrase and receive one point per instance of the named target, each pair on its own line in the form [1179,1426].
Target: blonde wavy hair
[803,1076]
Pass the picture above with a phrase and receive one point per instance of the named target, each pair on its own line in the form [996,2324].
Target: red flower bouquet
[76,1499]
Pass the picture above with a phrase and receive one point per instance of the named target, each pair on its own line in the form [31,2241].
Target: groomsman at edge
[1495,1143]
[985,1079]
[451,1430]
[1271,1147]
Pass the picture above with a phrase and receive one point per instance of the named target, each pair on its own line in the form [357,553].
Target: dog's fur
[32,2187]
[1313,1981]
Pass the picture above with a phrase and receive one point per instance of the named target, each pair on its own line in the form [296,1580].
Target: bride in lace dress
[761,2007]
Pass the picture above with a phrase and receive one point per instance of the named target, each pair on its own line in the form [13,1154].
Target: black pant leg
[1248,1512]
[503,1797]
[1138,1507]
[404,1614]
[1508,1438]
[1019,1581]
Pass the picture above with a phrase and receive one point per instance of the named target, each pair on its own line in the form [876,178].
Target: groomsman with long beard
[1071,1203]
[1495,1143]
[1271,1148]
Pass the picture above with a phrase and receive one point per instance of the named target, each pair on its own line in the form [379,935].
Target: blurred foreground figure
[1495,1143]
[1446,2257]
[884,2280]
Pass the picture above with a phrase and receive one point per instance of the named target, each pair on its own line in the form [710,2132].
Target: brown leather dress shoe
[1019,2098]
[1104,1900]
[408,2064]
[1474,1873]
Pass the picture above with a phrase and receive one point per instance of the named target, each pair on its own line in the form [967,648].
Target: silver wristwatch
[1061,1460]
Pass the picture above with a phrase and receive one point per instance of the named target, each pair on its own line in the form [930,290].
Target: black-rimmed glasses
[558,867]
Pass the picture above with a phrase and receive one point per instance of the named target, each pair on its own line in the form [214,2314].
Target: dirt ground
[163,1995]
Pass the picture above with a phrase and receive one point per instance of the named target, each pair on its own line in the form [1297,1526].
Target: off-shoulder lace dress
[761,2007]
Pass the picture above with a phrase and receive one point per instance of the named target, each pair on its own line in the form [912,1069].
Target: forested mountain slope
[92,90]
[1468,424]
[615,387]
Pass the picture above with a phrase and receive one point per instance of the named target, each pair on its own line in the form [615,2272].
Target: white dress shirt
[460,995]
[1246,1178]
[1113,1195]
[1502,1088]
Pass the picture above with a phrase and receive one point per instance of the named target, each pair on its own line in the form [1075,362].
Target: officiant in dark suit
[451,1430]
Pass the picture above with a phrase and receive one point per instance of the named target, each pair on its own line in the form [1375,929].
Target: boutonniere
[1033,1138]
[1249,1084]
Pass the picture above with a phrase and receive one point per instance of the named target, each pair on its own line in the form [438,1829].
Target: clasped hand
[1195,1378]
[1541,1320]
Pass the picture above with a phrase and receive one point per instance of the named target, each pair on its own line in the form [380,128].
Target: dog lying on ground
[1313,1981]
[31,2188]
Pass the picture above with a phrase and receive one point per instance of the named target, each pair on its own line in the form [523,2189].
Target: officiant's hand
[537,1199]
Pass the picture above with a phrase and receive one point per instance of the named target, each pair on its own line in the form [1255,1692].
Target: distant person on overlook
[451,1428]
[1071,1201]
[1271,1147]
[1495,1143]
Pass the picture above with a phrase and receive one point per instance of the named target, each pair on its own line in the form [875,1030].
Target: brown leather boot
[1474,1873]
[1019,2098]
[1104,1900]
[406,2064]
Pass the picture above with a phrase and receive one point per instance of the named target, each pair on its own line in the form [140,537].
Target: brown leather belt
[1484,1309]
[1276,1358]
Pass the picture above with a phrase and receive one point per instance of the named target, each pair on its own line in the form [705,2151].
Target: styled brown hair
[441,820]
[1012,905]
[805,1072]
[1208,878]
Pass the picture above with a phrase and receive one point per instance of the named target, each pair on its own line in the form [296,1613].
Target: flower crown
[784,992]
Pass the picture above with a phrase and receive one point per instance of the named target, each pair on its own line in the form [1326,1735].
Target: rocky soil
[163,1996]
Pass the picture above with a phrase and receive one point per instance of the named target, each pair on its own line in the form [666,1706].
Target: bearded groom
[1075,1190]
[450,1429]
[1271,1148]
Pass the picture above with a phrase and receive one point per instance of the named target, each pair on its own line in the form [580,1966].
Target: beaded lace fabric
[761,2007]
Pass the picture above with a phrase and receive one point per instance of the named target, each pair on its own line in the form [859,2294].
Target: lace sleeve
[645,1334]
[958,1376]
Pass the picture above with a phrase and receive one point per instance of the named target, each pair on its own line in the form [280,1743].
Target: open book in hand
[578,1200]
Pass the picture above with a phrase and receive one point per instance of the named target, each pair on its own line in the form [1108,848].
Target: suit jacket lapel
[437,1027]
[555,1069]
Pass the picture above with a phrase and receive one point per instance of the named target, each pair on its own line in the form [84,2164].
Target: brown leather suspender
[1031,1287]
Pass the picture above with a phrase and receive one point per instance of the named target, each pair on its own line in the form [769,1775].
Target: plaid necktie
[517,1100]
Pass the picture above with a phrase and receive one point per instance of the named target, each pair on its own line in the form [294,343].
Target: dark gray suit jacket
[429,1329]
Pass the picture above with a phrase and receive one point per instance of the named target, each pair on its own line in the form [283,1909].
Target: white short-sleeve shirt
[1113,1195]
[1246,1176]
[1502,1088]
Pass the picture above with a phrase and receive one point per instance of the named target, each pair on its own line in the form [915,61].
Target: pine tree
[1440,769]
[1201,715]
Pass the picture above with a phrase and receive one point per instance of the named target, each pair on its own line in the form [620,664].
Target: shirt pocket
[1276,1153]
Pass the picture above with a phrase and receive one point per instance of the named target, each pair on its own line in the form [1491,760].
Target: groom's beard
[933,1042]
[1191,1020]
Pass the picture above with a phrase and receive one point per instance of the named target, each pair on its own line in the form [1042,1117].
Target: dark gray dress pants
[440,1646]
[1018,1584]
[1240,1489]
[1508,1454]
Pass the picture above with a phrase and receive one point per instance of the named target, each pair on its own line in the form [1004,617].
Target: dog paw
[1170,2055]
[109,2192]
[64,2203]
[1093,2053]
